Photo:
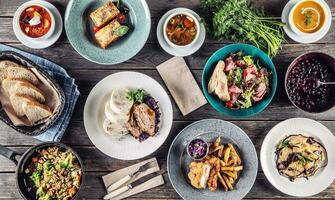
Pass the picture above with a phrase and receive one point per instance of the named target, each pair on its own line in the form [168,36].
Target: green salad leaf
[248,60]
[246,96]
[235,76]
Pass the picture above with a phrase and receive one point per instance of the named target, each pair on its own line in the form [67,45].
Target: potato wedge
[231,168]
[230,163]
[226,179]
[226,154]
[232,174]
[217,142]
[238,168]
[222,163]
[233,150]
[223,183]
[220,151]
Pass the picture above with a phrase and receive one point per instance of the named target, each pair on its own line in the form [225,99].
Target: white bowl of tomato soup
[181,29]
[308,17]
[34,21]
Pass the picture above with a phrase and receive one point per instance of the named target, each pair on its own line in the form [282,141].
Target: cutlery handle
[117,192]
[118,183]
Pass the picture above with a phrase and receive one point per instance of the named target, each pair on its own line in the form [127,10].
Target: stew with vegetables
[54,173]
[35,21]
[181,29]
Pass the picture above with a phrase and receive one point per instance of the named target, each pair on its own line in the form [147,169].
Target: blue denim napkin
[56,131]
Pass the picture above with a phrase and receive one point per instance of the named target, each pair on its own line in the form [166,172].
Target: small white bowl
[197,24]
[16,20]
[296,30]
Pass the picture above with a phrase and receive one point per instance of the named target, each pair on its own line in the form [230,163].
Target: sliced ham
[234,89]
[234,92]
[229,64]
[261,90]
[234,97]
[249,73]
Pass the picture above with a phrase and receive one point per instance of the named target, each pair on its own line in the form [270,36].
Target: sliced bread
[25,105]
[35,111]
[17,101]
[21,86]
[23,73]
[3,68]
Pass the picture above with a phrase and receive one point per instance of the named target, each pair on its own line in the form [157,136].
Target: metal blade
[145,178]
[144,167]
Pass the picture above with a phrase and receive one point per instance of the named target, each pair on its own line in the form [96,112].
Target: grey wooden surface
[98,164]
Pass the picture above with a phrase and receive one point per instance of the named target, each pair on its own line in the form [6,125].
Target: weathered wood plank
[7,35]
[76,134]
[157,8]
[152,55]
[93,188]
[280,104]
[94,160]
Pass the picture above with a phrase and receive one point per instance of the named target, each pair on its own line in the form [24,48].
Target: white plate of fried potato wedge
[227,172]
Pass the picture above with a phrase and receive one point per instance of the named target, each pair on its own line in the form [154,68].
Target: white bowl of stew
[34,21]
[181,29]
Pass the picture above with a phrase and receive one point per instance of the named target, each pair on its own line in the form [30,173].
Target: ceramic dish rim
[200,121]
[288,70]
[269,98]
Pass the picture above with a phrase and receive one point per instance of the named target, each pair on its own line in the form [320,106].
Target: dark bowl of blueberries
[305,82]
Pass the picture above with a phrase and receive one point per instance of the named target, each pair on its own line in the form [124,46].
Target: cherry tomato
[121,18]
[229,104]
[188,23]
[96,29]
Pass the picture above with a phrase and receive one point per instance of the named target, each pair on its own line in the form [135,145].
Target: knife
[133,184]
[125,179]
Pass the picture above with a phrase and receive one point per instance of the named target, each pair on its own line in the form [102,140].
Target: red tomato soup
[35,21]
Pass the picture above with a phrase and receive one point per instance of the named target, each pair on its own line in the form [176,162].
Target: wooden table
[87,74]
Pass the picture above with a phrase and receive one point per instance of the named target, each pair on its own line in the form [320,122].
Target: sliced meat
[249,73]
[229,64]
[133,127]
[234,89]
[234,92]
[261,90]
[145,118]
[234,97]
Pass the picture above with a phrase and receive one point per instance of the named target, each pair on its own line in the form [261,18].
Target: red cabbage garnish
[197,148]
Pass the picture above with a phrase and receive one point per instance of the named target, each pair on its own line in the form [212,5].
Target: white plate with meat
[128,115]
[297,157]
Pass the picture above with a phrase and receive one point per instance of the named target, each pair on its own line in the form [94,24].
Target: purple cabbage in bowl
[197,149]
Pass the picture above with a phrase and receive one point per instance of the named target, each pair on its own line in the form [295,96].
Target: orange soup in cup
[309,16]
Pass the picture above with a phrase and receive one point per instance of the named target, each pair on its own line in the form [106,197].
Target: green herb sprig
[238,21]
[136,96]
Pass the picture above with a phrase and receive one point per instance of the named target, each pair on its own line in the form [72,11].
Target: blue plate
[78,27]
[221,54]
[209,129]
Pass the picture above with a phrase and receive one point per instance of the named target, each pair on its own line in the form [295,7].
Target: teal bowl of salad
[239,80]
